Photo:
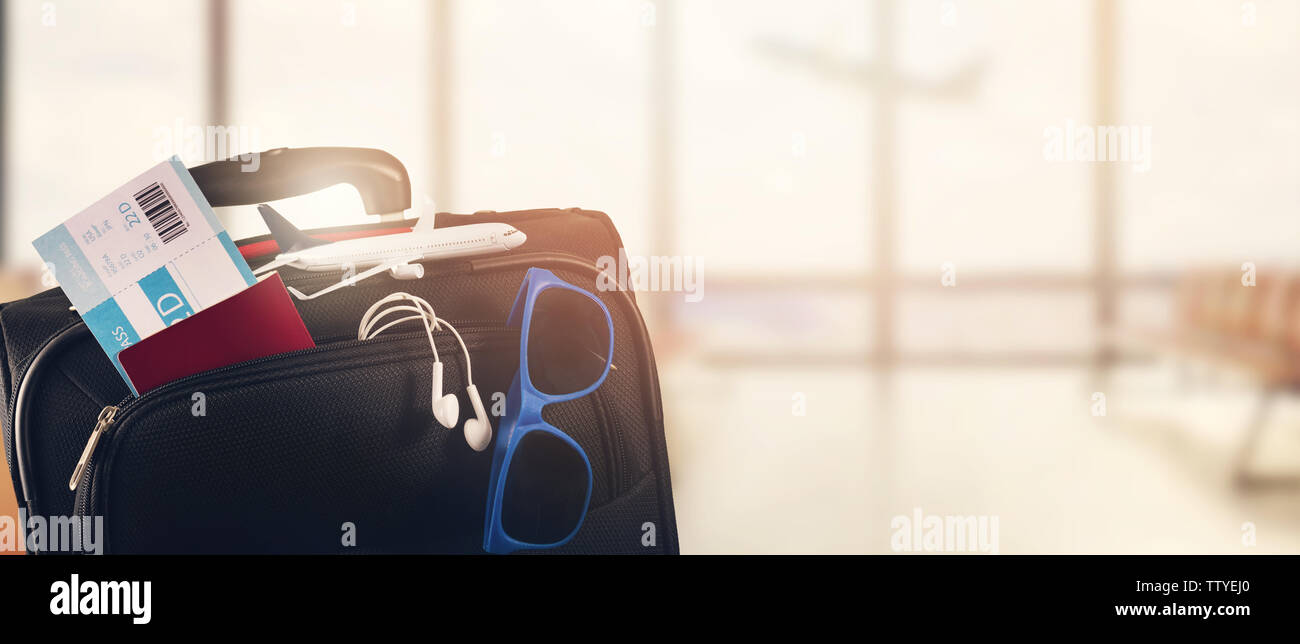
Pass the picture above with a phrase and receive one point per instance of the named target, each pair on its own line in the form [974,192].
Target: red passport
[256,322]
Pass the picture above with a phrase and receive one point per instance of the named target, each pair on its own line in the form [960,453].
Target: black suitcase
[296,451]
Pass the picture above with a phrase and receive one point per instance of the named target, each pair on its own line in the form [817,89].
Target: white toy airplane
[393,253]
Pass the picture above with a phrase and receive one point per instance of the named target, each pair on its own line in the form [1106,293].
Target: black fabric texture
[292,449]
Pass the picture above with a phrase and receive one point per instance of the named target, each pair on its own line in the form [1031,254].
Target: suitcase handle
[287,172]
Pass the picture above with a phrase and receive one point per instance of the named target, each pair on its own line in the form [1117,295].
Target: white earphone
[446,408]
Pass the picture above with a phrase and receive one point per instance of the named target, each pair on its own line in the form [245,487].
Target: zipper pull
[101,425]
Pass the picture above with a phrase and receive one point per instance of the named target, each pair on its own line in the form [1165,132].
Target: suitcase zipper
[105,421]
[113,415]
[108,416]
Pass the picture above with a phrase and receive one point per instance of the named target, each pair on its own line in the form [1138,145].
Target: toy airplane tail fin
[289,238]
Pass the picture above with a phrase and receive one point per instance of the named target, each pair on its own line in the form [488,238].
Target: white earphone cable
[424,312]
[446,408]
[469,368]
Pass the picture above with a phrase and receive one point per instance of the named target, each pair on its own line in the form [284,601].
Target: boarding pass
[146,256]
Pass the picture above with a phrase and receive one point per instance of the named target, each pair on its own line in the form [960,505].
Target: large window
[828,164]
[1219,182]
[93,93]
[772,147]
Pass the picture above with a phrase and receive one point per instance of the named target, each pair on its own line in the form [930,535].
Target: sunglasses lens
[545,490]
[568,342]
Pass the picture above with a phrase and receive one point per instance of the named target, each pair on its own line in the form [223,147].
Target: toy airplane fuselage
[399,253]
[440,243]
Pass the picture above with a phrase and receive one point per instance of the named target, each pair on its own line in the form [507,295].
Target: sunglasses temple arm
[515,319]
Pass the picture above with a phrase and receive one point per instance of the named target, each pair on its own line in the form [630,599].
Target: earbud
[446,409]
[478,431]
[407,271]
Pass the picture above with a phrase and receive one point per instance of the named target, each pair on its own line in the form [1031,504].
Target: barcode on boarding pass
[161,212]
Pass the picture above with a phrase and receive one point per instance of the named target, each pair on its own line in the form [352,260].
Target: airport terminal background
[908,301]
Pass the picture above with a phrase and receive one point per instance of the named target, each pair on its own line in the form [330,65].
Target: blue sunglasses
[541,478]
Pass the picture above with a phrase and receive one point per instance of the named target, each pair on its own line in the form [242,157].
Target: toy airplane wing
[424,224]
[370,272]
